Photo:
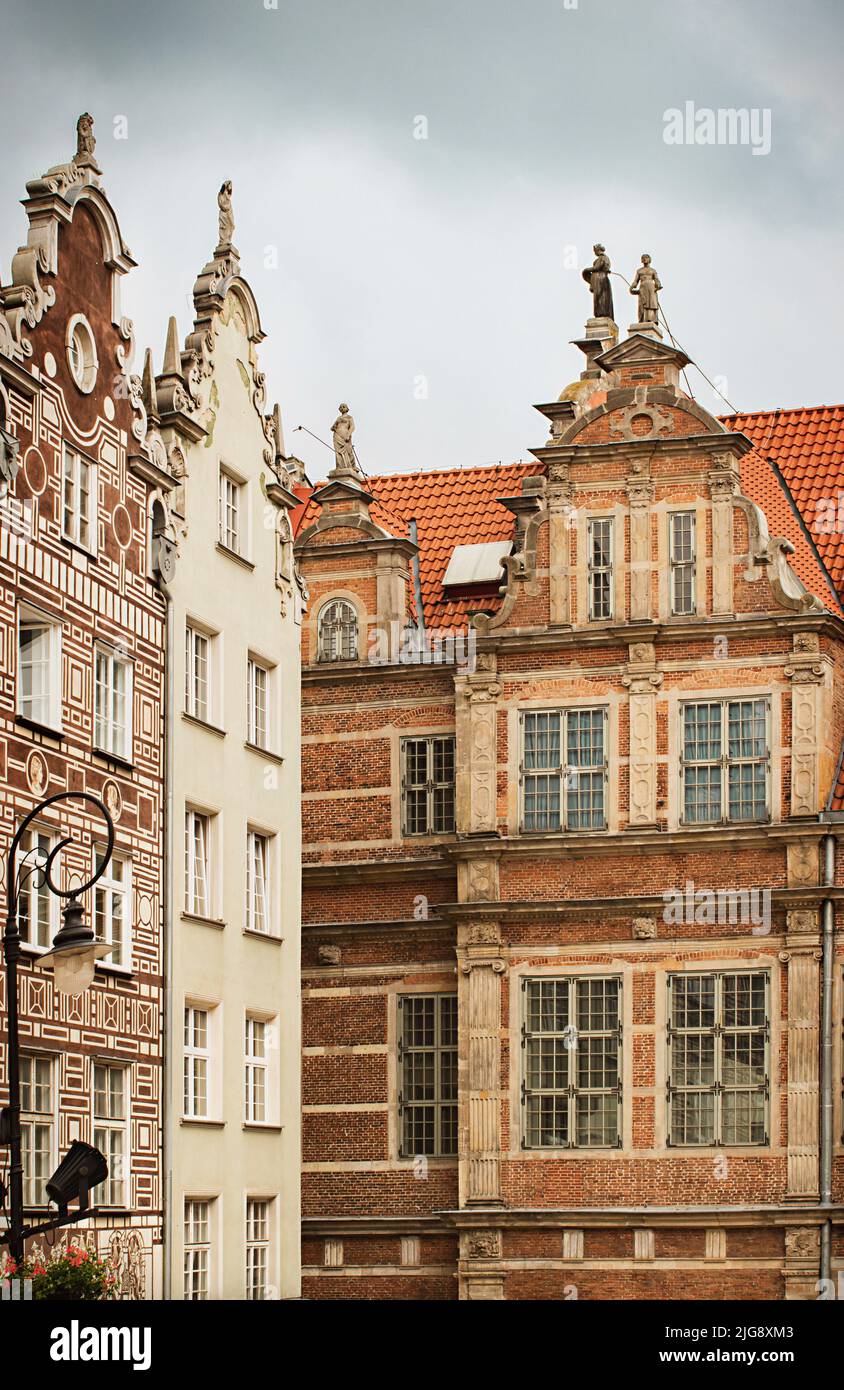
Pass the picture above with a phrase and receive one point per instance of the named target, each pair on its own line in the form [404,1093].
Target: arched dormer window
[338,632]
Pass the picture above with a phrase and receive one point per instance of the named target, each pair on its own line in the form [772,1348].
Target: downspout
[828,921]
[167,942]
[417,582]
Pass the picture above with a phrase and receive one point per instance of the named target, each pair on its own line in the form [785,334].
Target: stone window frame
[724,701]
[674,565]
[592,571]
[347,601]
[429,739]
[681,695]
[78,328]
[563,709]
[401,1048]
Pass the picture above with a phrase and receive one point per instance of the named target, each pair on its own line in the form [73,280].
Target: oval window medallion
[81,353]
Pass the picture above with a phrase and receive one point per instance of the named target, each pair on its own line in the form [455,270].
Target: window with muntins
[257,1248]
[110,1131]
[564,769]
[718,1037]
[255,1071]
[78,482]
[197,867]
[112,915]
[338,632]
[257,882]
[682,561]
[428,785]
[38,1126]
[571,1042]
[39,669]
[230,512]
[599,541]
[112,703]
[197,1250]
[428,1074]
[197,1062]
[725,761]
[197,673]
[37,907]
[257,703]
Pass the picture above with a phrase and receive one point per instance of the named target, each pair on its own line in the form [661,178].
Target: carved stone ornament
[483,1245]
[640,421]
[483,934]
[329,955]
[644,928]
[802,1243]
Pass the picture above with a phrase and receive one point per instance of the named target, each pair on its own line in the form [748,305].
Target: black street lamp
[73,959]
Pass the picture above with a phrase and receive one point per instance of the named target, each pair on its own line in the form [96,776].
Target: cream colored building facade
[222,543]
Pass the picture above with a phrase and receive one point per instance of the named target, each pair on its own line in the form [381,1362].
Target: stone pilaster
[642,680]
[802,1262]
[640,493]
[803,957]
[479,1062]
[723,485]
[561,516]
[476,714]
[805,671]
[480,1252]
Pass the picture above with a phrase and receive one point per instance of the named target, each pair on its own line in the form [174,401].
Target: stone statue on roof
[597,277]
[646,284]
[344,450]
[224,203]
[85,141]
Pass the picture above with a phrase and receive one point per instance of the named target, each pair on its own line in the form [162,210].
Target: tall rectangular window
[197,1062]
[197,673]
[257,882]
[428,785]
[197,1250]
[79,478]
[37,906]
[111,1130]
[725,761]
[564,769]
[112,899]
[197,864]
[428,1065]
[257,1247]
[718,1058]
[112,703]
[38,1127]
[682,561]
[257,704]
[255,1070]
[230,512]
[39,668]
[571,1035]
[599,541]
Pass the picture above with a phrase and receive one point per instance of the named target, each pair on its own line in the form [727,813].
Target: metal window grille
[111,907]
[197,1062]
[338,632]
[428,785]
[600,534]
[257,1248]
[718,1053]
[725,761]
[197,1250]
[255,1071]
[110,1130]
[428,1072]
[558,795]
[38,1124]
[571,1041]
[682,562]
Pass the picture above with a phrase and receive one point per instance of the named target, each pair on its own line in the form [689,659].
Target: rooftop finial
[86,143]
[224,203]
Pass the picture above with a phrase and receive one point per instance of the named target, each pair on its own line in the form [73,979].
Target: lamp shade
[82,1168]
[75,951]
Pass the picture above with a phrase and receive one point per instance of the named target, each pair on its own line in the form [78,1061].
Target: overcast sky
[434,284]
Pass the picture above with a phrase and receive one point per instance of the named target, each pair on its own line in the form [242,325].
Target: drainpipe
[167,947]
[417,582]
[828,852]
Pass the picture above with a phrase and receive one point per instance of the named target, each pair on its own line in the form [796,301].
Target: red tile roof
[806,445]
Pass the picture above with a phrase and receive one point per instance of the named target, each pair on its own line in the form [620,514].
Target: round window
[82,353]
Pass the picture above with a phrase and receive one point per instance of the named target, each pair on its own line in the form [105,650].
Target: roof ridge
[780,410]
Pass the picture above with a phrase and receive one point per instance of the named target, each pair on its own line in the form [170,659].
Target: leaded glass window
[571,1041]
[682,562]
[599,541]
[428,785]
[718,1058]
[428,1069]
[564,769]
[725,761]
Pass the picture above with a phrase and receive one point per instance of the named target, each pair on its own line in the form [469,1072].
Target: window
[257,703]
[257,882]
[257,1247]
[570,795]
[197,1062]
[112,703]
[571,1036]
[197,673]
[255,1071]
[39,669]
[197,1250]
[338,632]
[110,1130]
[78,494]
[599,542]
[725,761]
[428,1066]
[718,1058]
[682,561]
[38,1127]
[37,906]
[82,353]
[197,865]
[230,512]
[428,785]
[112,917]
